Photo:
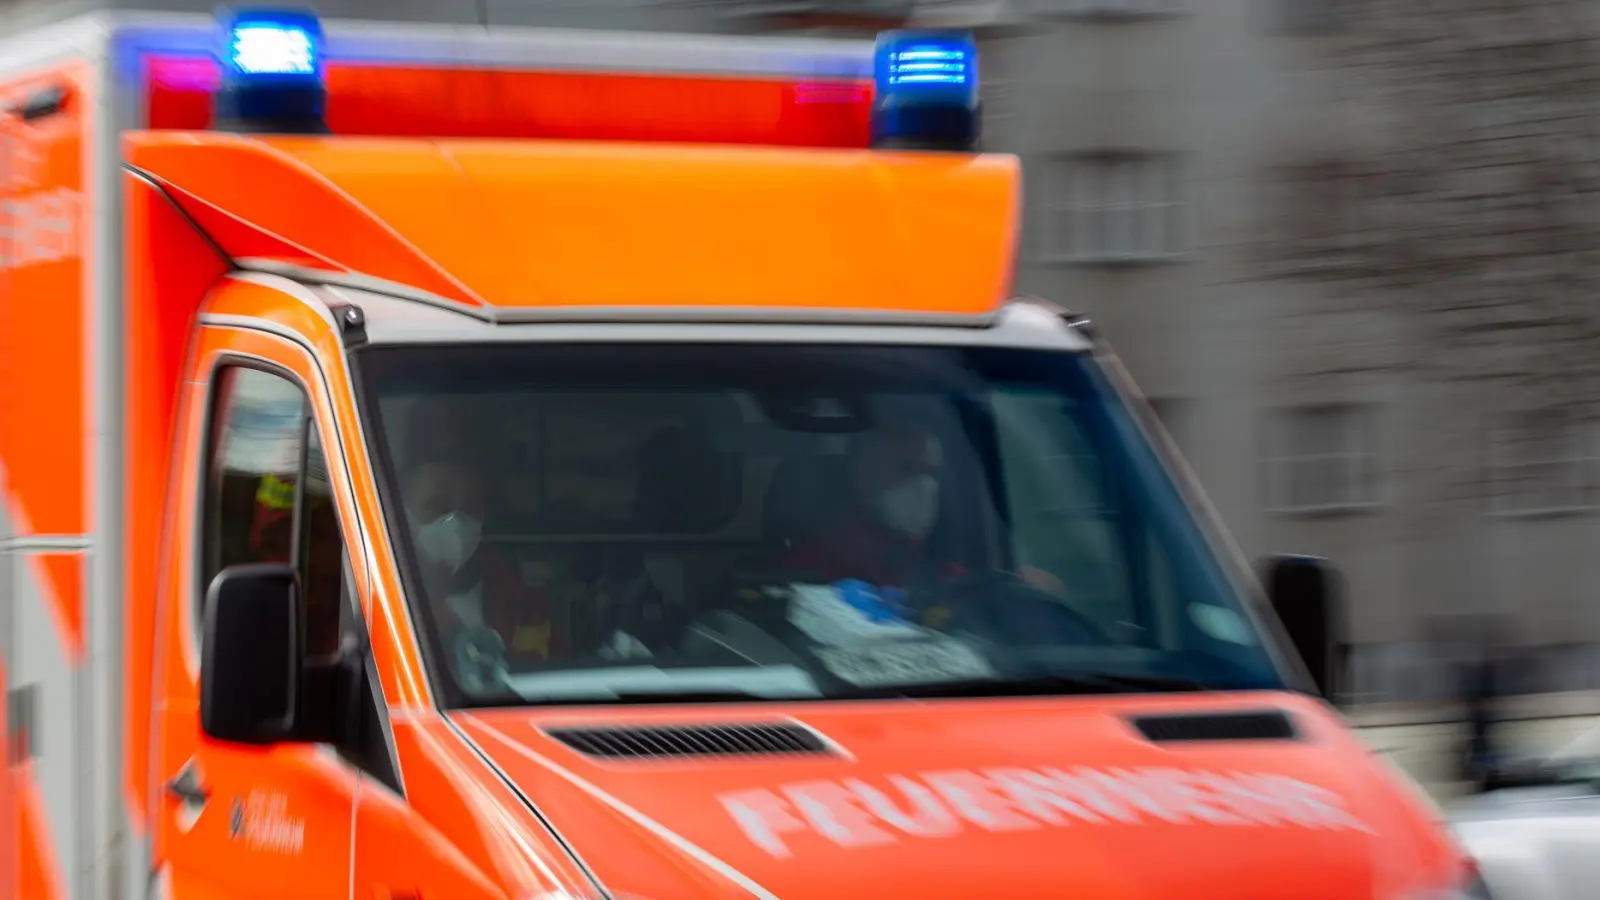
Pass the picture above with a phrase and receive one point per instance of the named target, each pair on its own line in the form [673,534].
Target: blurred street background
[1350,247]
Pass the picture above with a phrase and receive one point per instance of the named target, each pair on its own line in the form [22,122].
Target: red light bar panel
[408,101]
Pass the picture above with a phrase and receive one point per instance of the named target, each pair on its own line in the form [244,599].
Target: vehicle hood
[1029,798]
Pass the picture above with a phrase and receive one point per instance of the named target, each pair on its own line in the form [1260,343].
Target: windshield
[665,522]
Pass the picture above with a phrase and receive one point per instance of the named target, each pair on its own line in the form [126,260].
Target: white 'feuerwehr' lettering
[980,801]
[837,813]
[764,817]
[925,816]
[1191,797]
[855,813]
[1129,787]
[1040,796]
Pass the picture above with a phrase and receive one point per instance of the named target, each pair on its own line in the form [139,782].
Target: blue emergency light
[926,91]
[273,78]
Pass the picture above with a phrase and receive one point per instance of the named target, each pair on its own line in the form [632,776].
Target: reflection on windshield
[788,521]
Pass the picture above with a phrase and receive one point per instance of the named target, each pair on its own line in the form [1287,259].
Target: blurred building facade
[1150,129]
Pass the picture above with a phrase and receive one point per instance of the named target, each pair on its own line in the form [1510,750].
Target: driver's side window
[267,496]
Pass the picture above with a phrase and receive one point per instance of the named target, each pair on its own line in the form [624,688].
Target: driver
[468,584]
[895,473]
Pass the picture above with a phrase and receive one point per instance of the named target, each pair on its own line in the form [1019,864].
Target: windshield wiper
[642,698]
[1155,683]
[996,686]
[1036,686]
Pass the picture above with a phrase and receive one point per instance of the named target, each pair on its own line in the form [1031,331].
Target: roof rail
[710,315]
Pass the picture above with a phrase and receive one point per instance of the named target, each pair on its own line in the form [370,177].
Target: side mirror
[1305,593]
[250,659]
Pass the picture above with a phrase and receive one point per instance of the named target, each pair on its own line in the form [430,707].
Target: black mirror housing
[1306,594]
[250,657]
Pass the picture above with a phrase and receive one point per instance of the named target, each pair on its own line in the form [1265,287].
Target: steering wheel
[480,659]
[1003,608]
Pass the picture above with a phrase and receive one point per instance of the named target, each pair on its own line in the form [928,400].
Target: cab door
[238,821]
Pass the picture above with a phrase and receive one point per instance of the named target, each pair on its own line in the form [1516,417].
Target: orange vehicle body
[138,257]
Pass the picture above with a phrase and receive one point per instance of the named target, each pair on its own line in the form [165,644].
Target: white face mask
[912,506]
[449,540]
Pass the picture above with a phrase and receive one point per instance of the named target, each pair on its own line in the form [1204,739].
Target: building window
[1107,209]
[1542,463]
[1000,98]
[1322,458]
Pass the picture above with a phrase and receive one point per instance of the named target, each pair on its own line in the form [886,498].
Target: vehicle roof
[389,319]
[517,230]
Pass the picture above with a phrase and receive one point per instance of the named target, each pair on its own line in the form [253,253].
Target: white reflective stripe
[683,844]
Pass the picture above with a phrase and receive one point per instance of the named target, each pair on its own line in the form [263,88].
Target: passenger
[467,583]
[324,585]
[271,539]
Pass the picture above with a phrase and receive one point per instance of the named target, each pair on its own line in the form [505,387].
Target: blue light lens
[273,50]
[929,64]
[912,64]
[273,44]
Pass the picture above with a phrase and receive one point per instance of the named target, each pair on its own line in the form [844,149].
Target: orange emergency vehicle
[441,464]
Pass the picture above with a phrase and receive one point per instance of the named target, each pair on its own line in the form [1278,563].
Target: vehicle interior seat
[686,487]
[807,495]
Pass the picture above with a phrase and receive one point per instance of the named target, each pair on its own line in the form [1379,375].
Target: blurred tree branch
[1473,219]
